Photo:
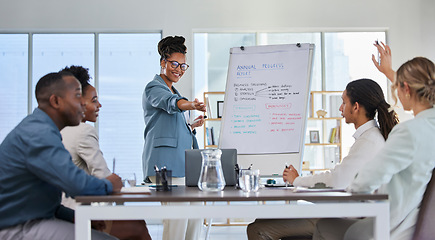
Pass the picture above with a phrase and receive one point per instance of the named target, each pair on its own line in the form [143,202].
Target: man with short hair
[35,167]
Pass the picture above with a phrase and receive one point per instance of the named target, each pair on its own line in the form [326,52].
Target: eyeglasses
[175,64]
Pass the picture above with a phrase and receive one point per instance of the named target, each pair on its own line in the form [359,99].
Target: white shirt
[368,141]
[402,169]
[82,143]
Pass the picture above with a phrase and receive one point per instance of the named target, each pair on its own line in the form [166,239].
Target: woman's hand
[198,122]
[385,65]
[185,105]
[290,174]
[197,105]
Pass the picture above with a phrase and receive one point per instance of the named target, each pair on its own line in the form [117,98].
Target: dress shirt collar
[39,113]
[366,126]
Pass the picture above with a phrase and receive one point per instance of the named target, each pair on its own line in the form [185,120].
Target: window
[348,57]
[127,62]
[214,56]
[293,38]
[121,66]
[52,52]
[13,80]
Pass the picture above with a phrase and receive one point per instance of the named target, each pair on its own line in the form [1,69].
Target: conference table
[266,203]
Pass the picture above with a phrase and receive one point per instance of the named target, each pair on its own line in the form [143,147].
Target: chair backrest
[425,227]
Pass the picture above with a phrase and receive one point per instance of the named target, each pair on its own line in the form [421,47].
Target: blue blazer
[166,134]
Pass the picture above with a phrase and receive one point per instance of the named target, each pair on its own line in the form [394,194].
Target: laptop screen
[194,164]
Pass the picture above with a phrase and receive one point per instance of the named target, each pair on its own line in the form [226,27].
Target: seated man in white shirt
[362,99]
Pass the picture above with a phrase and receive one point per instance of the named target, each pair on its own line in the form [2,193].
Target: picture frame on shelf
[314,136]
[220,108]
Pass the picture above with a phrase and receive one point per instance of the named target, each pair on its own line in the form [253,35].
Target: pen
[379,55]
[197,120]
[236,172]
[286,183]
[155,186]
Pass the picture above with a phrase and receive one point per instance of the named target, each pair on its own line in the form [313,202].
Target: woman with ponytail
[403,167]
[362,101]
[368,93]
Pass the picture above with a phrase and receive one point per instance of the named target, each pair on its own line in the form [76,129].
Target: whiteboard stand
[265,106]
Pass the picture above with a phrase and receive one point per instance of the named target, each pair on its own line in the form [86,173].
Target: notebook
[194,164]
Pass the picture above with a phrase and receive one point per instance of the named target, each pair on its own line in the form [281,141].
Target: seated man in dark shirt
[35,167]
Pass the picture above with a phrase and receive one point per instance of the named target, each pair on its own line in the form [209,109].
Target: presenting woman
[82,143]
[167,130]
[403,167]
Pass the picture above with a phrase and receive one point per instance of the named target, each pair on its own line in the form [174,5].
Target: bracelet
[193,105]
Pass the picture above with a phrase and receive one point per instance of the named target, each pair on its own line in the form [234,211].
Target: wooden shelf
[213,119]
[327,118]
[211,146]
[210,118]
[315,169]
[325,125]
[322,144]
[215,93]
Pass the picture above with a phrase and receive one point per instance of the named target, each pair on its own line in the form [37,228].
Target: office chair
[425,226]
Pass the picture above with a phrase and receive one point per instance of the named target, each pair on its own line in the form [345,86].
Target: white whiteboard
[266,100]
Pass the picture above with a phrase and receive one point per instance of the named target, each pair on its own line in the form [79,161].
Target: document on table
[274,187]
[304,189]
[135,190]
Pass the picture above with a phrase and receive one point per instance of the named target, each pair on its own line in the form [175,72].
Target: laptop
[194,164]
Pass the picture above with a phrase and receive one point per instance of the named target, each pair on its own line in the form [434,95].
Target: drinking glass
[249,180]
[128,179]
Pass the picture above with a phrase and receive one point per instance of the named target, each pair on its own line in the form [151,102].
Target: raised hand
[384,65]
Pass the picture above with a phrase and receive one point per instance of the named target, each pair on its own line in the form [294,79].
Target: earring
[407,95]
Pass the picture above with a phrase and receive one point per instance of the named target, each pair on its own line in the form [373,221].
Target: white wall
[410,24]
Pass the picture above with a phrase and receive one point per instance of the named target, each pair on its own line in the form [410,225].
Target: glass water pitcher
[211,178]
